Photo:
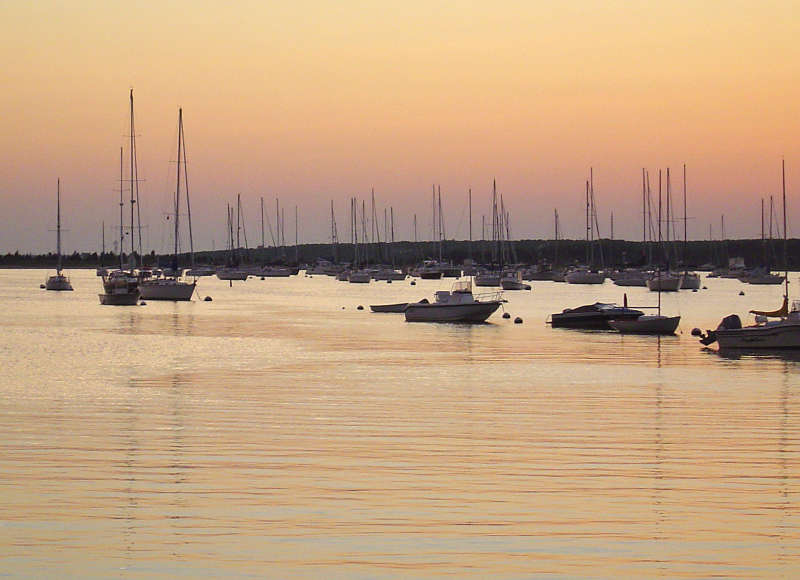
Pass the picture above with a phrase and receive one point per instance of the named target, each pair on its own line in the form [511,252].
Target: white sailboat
[60,281]
[172,287]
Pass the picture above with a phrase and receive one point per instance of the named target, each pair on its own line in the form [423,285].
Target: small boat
[630,277]
[593,316]
[647,324]
[458,305]
[513,281]
[585,276]
[232,273]
[359,277]
[120,288]
[487,279]
[399,308]
[691,281]
[664,282]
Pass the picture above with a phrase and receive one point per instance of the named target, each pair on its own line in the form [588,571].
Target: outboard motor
[730,322]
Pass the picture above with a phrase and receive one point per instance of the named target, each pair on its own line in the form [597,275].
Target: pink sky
[318,101]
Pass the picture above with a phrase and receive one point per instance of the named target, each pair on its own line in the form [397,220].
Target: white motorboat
[457,305]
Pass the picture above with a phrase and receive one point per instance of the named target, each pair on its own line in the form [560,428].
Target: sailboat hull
[59,282]
[166,289]
[663,325]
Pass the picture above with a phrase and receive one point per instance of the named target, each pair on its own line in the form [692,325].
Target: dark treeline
[613,253]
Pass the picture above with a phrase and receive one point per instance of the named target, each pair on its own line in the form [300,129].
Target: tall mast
[785,254]
[178,192]
[685,218]
[470,223]
[121,208]
[262,221]
[58,224]
[133,172]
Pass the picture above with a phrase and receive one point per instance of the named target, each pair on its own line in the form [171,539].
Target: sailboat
[664,280]
[232,270]
[585,274]
[59,281]
[691,280]
[171,287]
[781,333]
[121,286]
[652,323]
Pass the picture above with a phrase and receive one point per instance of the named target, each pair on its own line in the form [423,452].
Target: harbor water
[278,431]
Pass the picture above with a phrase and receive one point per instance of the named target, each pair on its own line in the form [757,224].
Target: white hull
[784,334]
[166,289]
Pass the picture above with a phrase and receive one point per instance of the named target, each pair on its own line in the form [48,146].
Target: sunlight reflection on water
[278,431]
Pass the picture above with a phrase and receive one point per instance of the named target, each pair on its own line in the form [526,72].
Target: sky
[317,101]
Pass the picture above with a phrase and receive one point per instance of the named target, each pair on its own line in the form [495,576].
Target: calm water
[280,432]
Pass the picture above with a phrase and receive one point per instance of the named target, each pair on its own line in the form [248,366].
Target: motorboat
[765,334]
[691,281]
[487,279]
[593,316]
[456,305]
[120,288]
[513,281]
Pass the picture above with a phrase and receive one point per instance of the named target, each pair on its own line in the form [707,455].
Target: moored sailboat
[171,286]
[59,281]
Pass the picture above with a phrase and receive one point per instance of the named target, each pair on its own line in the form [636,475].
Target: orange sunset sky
[314,101]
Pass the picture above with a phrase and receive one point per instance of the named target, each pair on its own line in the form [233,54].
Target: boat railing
[489,296]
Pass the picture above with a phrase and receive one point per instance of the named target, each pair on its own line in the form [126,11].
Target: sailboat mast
[58,224]
[178,191]
[785,254]
[121,211]
[133,173]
